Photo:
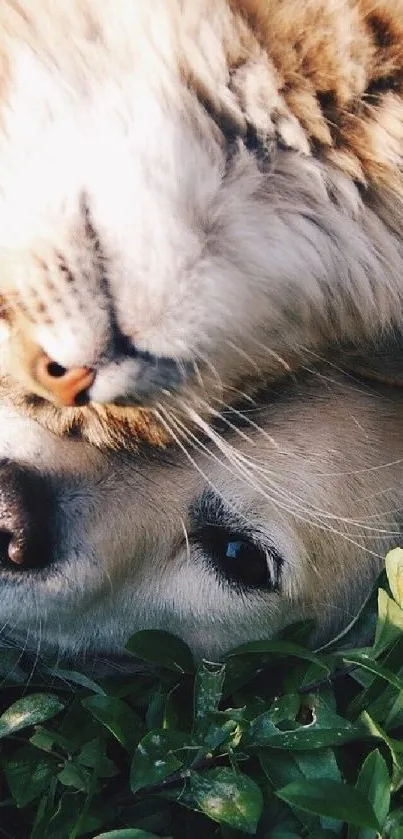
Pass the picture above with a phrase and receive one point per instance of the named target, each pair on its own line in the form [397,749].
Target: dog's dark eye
[239,559]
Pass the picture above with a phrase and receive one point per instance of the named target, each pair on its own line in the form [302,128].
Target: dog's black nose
[25,518]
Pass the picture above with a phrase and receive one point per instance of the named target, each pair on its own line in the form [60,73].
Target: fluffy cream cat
[193,194]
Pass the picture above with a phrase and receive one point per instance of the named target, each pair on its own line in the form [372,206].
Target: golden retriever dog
[288,516]
[193,195]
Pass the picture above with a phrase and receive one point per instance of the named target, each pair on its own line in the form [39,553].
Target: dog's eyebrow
[210,508]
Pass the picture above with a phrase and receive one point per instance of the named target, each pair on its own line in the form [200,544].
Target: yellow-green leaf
[394,571]
[228,797]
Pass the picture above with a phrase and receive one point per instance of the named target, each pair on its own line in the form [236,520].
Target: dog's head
[287,515]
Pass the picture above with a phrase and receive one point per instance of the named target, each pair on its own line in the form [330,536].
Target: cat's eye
[239,559]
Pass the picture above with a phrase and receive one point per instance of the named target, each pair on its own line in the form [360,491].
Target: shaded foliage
[275,741]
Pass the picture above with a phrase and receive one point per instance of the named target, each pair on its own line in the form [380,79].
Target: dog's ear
[380,360]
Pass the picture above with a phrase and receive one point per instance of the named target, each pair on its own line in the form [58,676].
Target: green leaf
[374,783]
[394,571]
[29,710]
[28,772]
[78,679]
[44,813]
[362,626]
[390,622]
[117,717]
[156,758]
[285,708]
[221,731]
[207,694]
[92,756]
[298,632]
[285,767]
[76,726]
[375,687]
[156,710]
[74,776]
[228,797]
[279,817]
[326,729]
[332,799]
[68,818]
[394,747]
[394,825]
[127,833]
[394,716]
[246,661]
[367,663]
[161,648]
[45,739]
[284,648]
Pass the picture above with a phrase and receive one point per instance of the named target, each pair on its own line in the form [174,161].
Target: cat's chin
[137,381]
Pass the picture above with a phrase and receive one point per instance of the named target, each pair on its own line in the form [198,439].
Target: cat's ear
[380,360]
[239,85]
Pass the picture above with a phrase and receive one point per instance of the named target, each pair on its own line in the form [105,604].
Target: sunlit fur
[219,181]
[316,471]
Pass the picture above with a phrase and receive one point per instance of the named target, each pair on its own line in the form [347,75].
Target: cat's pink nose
[67,387]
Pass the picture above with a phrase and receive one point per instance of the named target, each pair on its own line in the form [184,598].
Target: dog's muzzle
[26,511]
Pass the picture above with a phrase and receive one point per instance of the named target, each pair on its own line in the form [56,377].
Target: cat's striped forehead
[334,68]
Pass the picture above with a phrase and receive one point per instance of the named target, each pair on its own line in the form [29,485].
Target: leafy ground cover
[275,741]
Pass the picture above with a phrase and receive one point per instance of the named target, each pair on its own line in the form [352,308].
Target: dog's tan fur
[314,473]
[236,270]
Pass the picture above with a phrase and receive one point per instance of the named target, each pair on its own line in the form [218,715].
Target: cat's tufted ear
[256,87]
[380,361]
[238,83]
